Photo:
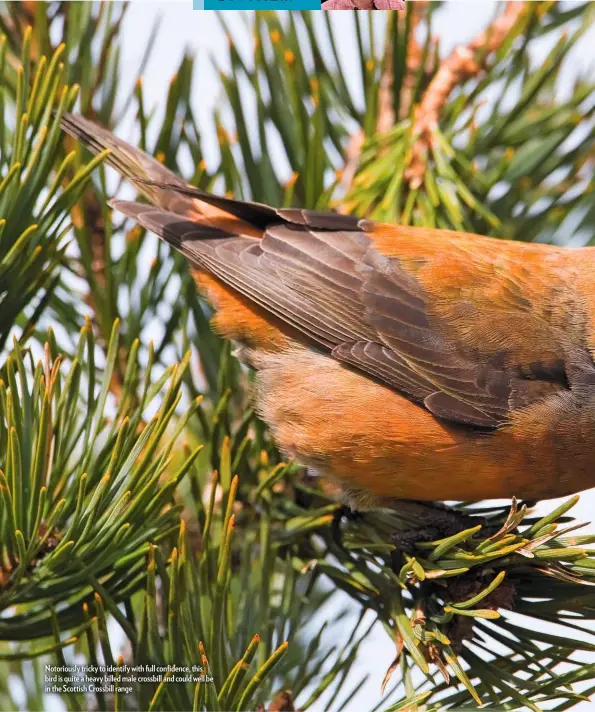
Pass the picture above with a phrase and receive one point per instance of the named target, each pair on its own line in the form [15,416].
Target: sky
[182,27]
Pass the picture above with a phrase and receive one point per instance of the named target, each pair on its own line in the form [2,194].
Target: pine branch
[34,200]
[464,62]
[418,59]
[448,597]
[80,500]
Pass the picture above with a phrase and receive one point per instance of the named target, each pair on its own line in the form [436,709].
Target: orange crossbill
[403,362]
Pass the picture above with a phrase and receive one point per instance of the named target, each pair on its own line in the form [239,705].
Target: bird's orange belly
[370,438]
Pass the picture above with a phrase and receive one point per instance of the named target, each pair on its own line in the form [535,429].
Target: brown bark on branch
[386,114]
[415,53]
[464,62]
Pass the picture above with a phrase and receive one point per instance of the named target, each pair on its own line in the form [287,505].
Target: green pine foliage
[146,516]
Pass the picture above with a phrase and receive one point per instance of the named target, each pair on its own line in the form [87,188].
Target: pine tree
[146,516]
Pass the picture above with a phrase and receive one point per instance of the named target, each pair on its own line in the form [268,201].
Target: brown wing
[402,305]
[366,309]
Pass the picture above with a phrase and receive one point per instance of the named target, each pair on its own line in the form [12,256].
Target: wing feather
[368,311]
[467,326]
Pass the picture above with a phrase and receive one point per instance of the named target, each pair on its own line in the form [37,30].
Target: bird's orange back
[494,294]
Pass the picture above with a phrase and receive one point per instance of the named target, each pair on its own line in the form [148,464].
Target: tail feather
[154,181]
[165,189]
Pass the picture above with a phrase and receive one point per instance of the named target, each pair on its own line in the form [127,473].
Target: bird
[403,363]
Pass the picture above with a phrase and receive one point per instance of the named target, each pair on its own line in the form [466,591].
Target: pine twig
[385,121]
[414,58]
[352,154]
[463,63]
[386,113]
